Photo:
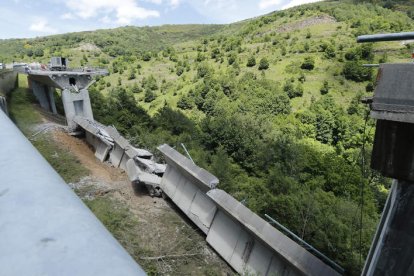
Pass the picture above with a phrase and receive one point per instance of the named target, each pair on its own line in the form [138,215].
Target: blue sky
[27,18]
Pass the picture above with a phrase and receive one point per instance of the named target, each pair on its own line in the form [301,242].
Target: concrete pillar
[392,252]
[76,104]
[52,100]
[41,93]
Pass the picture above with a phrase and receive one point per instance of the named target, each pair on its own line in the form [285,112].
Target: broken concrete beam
[150,165]
[96,137]
[202,178]
[151,181]
[246,241]
[132,170]
[118,138]
[136,152]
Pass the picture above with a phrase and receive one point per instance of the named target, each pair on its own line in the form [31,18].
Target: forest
[271,106]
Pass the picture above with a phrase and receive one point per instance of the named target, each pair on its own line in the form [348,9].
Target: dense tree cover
[273,110]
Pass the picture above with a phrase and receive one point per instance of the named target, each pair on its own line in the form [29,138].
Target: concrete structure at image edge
[246,241]
[45,228]
[74,84]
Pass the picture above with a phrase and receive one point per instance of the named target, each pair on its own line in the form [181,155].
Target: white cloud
[175,3]
[67,16]
[124,11]
[264,4]
[41,25]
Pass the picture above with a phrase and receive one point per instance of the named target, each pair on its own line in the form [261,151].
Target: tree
[251,61]
[180,70]
[29,52]
[263,64]
[132,75]
[38,52]
[308,63]
[146,56]
[325,88]
[354,70]
[149,96]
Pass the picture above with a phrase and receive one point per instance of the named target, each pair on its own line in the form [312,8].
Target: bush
[354,71]
[185,103]
[263,64]
[180,71]
[251,62]
[325,88]
[330,52]
[293,91]
[308,63]
[149,96]
[146,56]
[39,52]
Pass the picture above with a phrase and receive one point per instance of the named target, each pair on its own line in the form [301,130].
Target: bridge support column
[51,92]
[76,104]
[44,95]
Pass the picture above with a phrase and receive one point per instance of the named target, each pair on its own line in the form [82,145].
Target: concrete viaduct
[44,218]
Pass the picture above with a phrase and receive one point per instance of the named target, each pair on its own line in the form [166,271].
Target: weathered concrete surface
[136,175]
[186,184]
[45,228]
[44,96]
[393,248]
[199,176]
[96,136]
[120,143]
[150,166]
[123,150]
[74,86]
[249,243]
[76,104]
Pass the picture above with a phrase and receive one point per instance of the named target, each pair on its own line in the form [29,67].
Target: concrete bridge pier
[44,94]
[75,95]
[76,104]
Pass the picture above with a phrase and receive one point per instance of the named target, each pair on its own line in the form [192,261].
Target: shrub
[263,64]
[149,96]
[308,63]
[354,71]
[325,88]
[251,62]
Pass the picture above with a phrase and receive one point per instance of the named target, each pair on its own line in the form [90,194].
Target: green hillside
[270,105]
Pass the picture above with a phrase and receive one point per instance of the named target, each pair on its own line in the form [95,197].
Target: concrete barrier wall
[246,241]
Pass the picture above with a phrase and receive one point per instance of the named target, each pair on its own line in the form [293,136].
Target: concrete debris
[151,181]
[132,170]
[150,166]
[133,152]
[118,139]
[103,135]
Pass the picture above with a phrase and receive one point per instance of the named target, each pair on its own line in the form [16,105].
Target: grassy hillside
[270,105]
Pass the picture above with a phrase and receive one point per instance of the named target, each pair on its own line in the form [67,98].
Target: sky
[28,18]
